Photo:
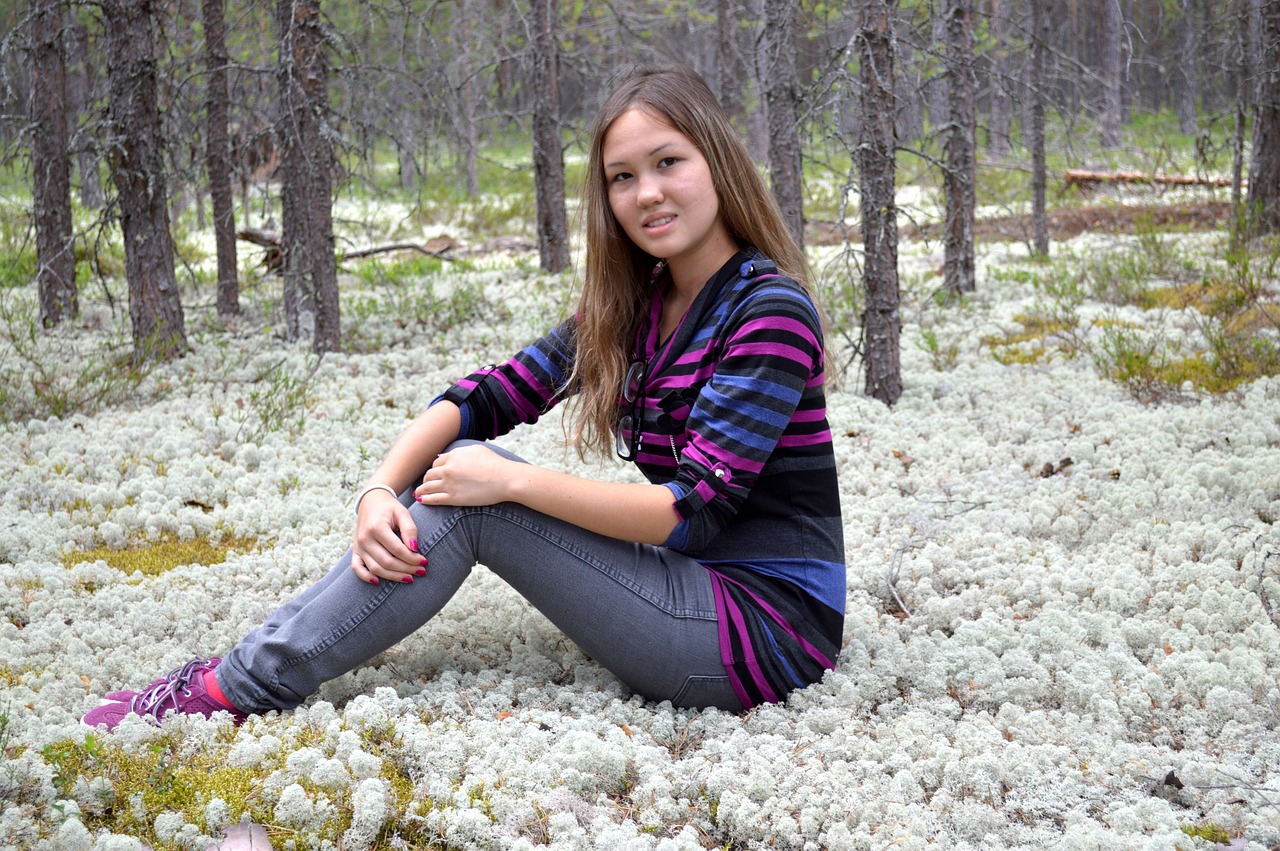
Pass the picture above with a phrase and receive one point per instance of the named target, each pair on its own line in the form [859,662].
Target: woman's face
[661,192]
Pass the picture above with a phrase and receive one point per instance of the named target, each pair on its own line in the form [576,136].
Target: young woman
[697,354]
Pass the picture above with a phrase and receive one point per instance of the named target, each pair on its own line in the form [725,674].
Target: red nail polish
[424,563]
[422,571]
[413,545]
[407,580]
[374,581]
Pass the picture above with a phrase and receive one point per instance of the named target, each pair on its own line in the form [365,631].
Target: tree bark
[1188,90]
[960,173]
[137,170]
[782,92]
[51,164]
[1001,84]
[467,96]
[218,157]
[310,266]
[1264,168]
[935,81]
[1126,62]
[1112,72]
[80,83]
[726,75]
[881,321]
[909,124]
[1035,134]
[1243,99]
[548,148]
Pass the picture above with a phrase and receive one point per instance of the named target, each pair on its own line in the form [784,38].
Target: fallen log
[273,259]
[1086,178]
[438,247]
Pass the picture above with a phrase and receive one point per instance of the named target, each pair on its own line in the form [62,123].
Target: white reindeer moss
[1032,647]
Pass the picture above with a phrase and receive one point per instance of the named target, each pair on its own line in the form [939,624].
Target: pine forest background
[157,120]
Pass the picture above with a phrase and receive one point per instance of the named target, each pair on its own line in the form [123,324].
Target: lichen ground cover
[1037,654]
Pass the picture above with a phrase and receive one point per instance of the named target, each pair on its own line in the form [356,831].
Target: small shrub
[18,264]
[55,375]
[500,215]
[278,402]
[1046,329]
[17,268]
[399,271]
[1233,307]
[942,355]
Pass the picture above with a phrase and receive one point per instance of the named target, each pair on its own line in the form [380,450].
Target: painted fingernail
[424,563]
[413,544]
[422,571]
[407,580]
[373,581]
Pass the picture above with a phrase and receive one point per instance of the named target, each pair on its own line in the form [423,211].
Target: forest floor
[1064,223]
[1062,610]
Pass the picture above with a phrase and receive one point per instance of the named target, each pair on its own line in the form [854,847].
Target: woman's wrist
[375,486]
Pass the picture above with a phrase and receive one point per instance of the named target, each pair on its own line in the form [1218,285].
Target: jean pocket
[703,692]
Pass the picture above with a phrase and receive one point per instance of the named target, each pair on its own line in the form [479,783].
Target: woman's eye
[619,177]
[665,162]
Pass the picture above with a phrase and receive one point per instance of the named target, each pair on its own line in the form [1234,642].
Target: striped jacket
[734,424]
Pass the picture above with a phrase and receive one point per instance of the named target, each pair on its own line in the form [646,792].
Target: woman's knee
[492,447]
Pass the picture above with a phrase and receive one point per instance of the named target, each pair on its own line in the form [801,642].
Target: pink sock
[211,688]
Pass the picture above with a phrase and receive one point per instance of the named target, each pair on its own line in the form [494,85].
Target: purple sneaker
[181,690]
[126,695]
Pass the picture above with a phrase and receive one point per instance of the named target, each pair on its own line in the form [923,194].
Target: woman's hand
[386,543]
[469,475]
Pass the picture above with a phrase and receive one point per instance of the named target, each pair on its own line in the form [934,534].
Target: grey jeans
[645,613]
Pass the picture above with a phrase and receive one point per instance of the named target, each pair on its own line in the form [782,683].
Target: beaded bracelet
[375,487]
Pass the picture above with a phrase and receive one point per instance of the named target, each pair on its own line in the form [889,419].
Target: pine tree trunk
[727,68]
[1188,90]
[1126,60]
[910,121]
[468,98]
[1264,169]
[1243,99]
[881,321]
[548,148]
[782,92]
[218,158]
[1112,71]
[80,81]
[310,265]
[51,164]
[935,84]
[1035,134]
[758,112]
[137,170]
[960,173]
[1001,84]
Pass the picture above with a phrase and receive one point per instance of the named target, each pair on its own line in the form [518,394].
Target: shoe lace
[164,694]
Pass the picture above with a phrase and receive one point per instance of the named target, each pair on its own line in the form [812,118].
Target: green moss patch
[153,558]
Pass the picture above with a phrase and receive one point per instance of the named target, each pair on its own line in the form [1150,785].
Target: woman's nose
[649,191]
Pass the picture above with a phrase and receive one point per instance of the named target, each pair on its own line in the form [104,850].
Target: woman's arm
[473,475]
[386,537]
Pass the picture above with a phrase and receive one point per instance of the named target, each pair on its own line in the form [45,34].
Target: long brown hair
[615,292]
